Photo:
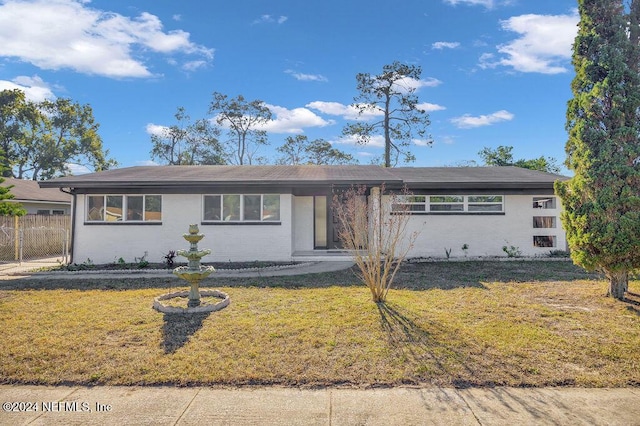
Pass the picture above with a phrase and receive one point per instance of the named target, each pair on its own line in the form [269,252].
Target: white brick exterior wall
[485,234]
[105,243]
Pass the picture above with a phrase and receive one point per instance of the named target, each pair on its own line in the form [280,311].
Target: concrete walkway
[30,270]
[105,405]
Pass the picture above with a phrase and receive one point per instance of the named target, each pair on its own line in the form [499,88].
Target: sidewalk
[107,405]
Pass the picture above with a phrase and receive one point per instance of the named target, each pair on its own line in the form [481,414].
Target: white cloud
[77,169]
[307,77]
[430,107]
[468,121]
[293,120]
[34,88]
[270,19]
[439,45]
[177,17]
[348,112]
[376,141]
[146,163]
[156,129]
[58,34]
[194,65]
[544,44]
[406,84]
[422,142]
[486,3]
[447,140]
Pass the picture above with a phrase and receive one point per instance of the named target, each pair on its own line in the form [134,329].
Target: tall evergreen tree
[391,98]
[602,201]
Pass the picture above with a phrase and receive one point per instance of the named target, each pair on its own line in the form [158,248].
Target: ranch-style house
[283,213]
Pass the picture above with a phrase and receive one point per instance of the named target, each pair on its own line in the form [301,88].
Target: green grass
[453,324]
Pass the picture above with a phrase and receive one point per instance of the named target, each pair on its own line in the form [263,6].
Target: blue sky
[494,72]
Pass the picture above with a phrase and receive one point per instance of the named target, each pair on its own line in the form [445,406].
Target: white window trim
[464,203]
[241,207]
[124,208]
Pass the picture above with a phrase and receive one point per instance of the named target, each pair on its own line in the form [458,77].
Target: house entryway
[325,224]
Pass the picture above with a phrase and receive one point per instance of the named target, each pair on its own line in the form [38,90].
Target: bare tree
[187,143]
[300,150]
[243,120]
[373,226]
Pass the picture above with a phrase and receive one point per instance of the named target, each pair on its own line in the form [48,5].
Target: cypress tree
[602,200]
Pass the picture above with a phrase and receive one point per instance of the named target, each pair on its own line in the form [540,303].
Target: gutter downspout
[71,192]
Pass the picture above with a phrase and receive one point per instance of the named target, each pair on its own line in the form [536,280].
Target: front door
[320,222]
[325,224]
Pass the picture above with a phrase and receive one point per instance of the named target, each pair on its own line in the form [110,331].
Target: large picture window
[241,208]
[124,208]
[450,204]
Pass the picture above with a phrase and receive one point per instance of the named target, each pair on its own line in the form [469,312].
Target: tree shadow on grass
[633,302]
[440,355]
[420,345]
[178,329]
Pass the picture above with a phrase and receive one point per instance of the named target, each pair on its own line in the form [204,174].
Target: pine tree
[602,200]
[8,208]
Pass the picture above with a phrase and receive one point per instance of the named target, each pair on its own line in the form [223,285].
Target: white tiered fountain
[193,273]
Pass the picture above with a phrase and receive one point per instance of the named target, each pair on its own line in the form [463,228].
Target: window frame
[538,241]
[545,203]
[544,222]
[123,205]
[242,210]
[450,204]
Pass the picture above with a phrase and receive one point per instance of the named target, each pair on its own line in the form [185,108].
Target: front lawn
[452,324]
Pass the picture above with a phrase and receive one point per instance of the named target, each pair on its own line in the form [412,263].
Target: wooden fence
[34,237]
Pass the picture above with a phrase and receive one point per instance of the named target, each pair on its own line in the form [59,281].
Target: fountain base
[159,306]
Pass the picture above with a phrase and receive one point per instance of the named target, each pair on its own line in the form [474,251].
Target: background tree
[187,143]
[300,150]
[502,156]
[243,120]
[602,200]
[390,95]
[41,140]
[8,208]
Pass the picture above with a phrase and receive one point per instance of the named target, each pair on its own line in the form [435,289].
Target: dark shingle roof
[229,175]
[474,177]
[414,177]
[28,191]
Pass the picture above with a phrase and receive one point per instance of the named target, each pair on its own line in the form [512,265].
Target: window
[544,221]
[43,212]
[544,241]
[443,204]
[485,203]
[544,202]
[410,203]
[124,208]
[241,208]
[446,203]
